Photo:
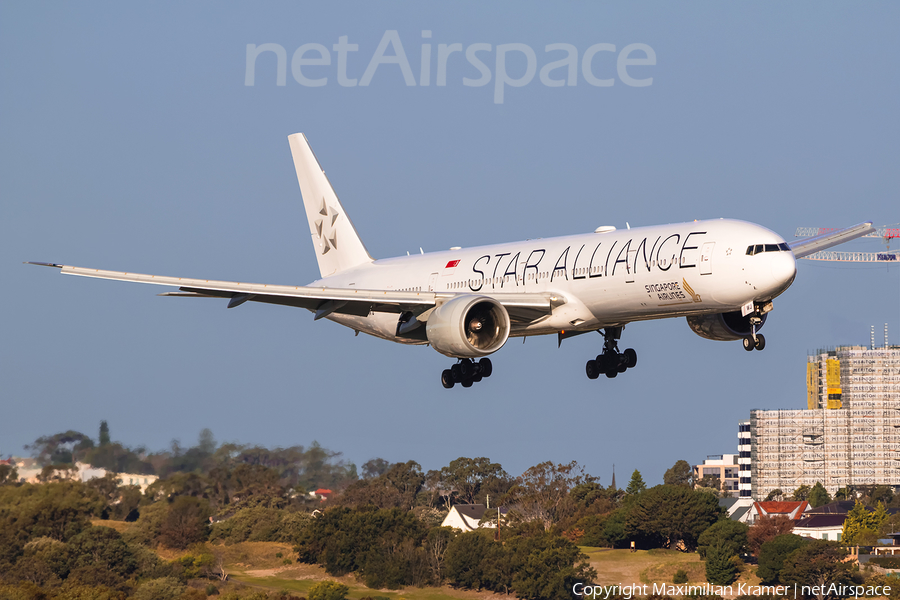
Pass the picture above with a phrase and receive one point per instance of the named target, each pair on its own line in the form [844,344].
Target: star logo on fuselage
[325,227]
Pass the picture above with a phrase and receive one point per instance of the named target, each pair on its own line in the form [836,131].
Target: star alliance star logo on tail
[330,238]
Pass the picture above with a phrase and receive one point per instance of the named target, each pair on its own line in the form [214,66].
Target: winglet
[43,264]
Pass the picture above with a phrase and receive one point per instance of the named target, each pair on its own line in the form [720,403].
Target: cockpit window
[760,248]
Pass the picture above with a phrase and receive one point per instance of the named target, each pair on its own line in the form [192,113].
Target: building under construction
[848,437]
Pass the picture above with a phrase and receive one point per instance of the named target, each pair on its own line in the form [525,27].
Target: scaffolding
[848,436]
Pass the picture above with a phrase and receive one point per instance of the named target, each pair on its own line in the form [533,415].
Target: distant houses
[29,472]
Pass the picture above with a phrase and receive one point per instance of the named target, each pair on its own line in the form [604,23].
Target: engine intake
[724,327]
[468,326]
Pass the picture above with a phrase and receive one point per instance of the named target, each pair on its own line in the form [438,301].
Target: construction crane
[886,233]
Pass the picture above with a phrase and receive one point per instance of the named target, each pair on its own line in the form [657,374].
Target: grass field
[651,566]
[257,564]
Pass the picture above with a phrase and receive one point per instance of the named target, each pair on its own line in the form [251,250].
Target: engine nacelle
[468,326]
[723,326]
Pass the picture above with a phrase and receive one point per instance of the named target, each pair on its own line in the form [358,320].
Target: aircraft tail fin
[338,246]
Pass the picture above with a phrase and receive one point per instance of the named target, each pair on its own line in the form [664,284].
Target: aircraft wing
[827,240]
[522,308]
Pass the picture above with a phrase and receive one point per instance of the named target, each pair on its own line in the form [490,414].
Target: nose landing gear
[466,372]
[755,340]
[611,362]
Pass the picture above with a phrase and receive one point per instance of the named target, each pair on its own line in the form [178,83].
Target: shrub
[328,590]
[165,588]
[680,576]
[887,562]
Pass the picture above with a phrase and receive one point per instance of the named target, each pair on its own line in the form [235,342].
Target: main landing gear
[611,362]
[467,372]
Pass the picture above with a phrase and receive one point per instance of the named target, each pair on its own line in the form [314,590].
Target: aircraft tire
[630,358]
[612,373]
[466,368]
[467,383]
[455,372]
[447,379]
[486,367]
[749,344]
[760,342]
[592,369]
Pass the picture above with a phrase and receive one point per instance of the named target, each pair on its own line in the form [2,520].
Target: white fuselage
[601,279]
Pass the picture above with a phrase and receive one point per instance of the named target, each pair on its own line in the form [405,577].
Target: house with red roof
[791,509]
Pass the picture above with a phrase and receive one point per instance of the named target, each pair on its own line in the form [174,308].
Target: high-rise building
[848,436]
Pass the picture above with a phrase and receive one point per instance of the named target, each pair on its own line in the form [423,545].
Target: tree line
[382,524]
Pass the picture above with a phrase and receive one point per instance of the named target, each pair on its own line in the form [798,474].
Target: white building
[848,436]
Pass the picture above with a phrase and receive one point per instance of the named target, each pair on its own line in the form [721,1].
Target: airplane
[721,275]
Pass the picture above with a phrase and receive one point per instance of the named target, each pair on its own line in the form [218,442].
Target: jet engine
[468,326]
[723,326]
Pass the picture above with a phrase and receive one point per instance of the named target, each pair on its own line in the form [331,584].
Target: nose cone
[784,269]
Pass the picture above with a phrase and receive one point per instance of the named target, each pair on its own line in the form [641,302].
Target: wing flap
[827,240]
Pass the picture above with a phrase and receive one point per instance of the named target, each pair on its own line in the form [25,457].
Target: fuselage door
[706,258]
[432,280]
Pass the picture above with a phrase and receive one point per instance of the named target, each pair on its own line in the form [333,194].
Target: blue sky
[131,142]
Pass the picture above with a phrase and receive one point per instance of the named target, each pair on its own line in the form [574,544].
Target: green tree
[375,543]
[614,529]
[636,485]
[720,566]
[547,566]
[801,493]
[680,474]
[374,468]
[542,492]
[666,516]
[61,448]
[104,433]
[469,475]
[818,496]
[186,522]
[464,560]
[103,548]
[776,494]
[844,493]
[861,525]
[817,563]
[730,535]
[773,553]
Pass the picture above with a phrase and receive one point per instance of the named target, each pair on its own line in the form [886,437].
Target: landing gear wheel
[486,367]
[467,383]
[447,378]
[466,368]
[602,363]
[592,369]
[630,357]
[612,373]
[760,342]
[749,344]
